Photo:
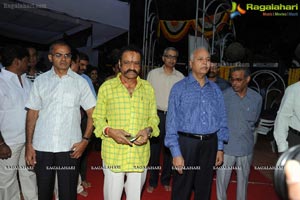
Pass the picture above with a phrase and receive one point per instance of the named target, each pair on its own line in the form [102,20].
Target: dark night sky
[267,38]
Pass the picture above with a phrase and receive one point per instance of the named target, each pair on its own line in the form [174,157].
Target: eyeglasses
[135,63]
[236,79]
[170,57]
[59,55]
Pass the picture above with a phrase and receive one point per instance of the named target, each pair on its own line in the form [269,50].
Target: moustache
[131,70]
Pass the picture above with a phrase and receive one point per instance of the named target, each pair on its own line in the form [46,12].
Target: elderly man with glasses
[196,128]
[243,106]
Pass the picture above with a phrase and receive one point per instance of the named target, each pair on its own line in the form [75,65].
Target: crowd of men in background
[47,119]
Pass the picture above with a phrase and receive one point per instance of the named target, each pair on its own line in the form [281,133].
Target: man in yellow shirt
[126,106]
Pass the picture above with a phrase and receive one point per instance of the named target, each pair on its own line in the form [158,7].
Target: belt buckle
[201,137]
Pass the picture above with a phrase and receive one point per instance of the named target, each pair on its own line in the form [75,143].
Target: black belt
[161,111]
[197,136]
[296,132]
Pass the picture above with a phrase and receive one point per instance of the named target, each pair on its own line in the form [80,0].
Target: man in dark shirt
[213,74]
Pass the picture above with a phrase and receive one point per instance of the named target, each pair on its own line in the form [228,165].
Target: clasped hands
[122,137]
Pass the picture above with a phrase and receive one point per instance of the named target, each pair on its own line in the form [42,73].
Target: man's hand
[292,174]
[178,163]
[119,136]
[219,158]
[78,148]
[142,137]
[5,151]
[30,156]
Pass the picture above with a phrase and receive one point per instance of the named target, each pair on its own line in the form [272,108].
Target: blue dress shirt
[242,115]
[88,79]
[197,110]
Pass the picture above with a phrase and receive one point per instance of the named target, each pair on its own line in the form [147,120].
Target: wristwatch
[149,131]
[86,138]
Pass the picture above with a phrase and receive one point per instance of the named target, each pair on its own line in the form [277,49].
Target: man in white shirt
[287,122]
[162,79]
[14,92]
[54,142]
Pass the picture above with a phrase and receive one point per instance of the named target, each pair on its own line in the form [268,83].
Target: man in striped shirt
[54,141]
[126,106]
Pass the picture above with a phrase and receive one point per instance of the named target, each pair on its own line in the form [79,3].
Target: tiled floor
[264,159]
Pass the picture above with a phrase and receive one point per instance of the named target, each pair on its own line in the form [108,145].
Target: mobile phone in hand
[131,138]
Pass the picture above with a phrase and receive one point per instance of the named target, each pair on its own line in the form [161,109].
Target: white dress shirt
[288,116]
[162,84]
[58,101]
[12,106]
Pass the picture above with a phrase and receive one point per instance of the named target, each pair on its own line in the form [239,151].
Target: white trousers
[242,165]
[114,184]
[9,187]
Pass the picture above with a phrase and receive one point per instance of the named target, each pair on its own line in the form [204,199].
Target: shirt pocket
[250,114]
[69,100]
[189,100]
[141,107]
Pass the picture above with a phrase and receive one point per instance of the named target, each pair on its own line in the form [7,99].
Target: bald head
[200,62]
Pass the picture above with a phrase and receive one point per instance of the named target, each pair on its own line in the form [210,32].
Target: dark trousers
[67,173]
[293,137]
[157,143]
[83,158]
[199,159]
[83,165]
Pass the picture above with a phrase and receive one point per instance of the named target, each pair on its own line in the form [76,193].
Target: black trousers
[293,137]
[67,173]
[84,156]
[156,145]
[199,159]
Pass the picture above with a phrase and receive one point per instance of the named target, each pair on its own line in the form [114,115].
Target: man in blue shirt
[196,128]
[243,106]
[83,63]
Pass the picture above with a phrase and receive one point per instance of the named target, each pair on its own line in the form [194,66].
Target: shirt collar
[235,93]
[163,70]
[9,74]
[69,72]
[117,81]
[191,79]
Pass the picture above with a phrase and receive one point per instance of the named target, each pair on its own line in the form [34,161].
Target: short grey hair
[192,54]
[170,49]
